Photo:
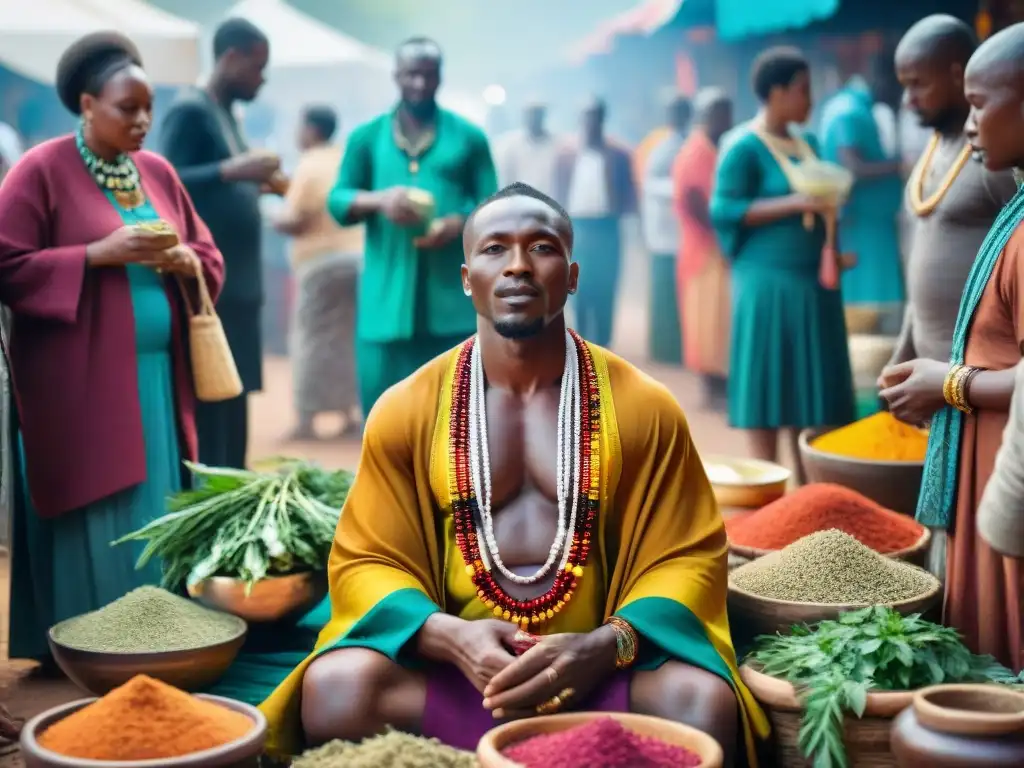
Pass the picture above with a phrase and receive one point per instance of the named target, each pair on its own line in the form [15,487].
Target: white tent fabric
[312,61]
[34,34]
[299,40]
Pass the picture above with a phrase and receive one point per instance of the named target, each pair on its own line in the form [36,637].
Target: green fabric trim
[672,631]
[389,626]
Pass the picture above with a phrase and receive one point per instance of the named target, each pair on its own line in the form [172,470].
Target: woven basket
[866,739]
[214,372]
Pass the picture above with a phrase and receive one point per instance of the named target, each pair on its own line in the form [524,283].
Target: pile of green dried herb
[832,567]
[148,620]
[246,525]
[835,664]
[393,749]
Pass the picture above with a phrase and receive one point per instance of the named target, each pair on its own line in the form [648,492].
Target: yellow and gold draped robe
[660,563]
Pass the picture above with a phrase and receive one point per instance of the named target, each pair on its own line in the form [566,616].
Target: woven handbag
[214,372]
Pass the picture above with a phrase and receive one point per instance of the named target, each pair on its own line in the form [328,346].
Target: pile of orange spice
[880,437]
[144,719]
[821,507]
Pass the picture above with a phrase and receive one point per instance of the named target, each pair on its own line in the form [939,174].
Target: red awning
[647,17]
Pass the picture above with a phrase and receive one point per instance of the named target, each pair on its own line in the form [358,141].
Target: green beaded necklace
[120,177]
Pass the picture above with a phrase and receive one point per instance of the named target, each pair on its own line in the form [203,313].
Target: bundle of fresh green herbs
[246,525]
[835,664]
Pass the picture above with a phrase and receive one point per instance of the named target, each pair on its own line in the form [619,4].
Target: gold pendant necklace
[924,207]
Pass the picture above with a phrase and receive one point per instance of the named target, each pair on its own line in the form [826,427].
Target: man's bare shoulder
[408,409]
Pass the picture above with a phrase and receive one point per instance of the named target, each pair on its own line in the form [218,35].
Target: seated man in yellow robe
[530,529]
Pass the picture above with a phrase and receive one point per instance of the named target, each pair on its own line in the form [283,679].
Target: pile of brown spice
[144,719]
[833,568]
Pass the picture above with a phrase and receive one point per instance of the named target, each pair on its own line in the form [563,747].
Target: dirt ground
[271,421]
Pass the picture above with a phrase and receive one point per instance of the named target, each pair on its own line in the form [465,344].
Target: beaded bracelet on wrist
[627,642]
[465,508]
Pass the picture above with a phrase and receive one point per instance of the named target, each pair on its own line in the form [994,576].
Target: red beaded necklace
[466,512]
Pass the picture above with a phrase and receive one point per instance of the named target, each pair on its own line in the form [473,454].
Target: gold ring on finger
[549,707]
[565,694]
[552,674]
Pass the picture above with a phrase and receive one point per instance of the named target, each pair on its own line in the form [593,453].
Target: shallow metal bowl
[194,669]
[275,598]
[241,753]
[893,484]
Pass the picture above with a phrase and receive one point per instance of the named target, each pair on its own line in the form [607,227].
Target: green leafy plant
[835,664]
[246,525]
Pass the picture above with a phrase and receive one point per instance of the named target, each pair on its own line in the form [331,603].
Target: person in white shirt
[594,181]
[529,154]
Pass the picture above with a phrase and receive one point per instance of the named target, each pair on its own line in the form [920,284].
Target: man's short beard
[519,329]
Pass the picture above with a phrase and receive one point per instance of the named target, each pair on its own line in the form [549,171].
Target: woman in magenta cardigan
[102,380]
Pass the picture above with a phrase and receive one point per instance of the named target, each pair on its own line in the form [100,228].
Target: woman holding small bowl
[98,239]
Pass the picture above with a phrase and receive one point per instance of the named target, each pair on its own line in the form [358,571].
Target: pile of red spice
[601,743]
[819,507]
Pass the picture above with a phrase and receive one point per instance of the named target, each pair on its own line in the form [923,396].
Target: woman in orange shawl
[703,276]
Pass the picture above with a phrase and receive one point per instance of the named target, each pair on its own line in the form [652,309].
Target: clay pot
[961,726]
[866,739]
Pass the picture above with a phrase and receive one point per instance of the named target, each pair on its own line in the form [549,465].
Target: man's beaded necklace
[577,479]
[120,177]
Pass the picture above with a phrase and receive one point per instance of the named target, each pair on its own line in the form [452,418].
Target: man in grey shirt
[951,199]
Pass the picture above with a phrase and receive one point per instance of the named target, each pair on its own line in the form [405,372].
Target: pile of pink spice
[601,743]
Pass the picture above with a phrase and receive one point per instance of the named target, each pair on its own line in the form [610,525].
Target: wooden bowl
[916,554]
[241,753]
[970,710]
[754,615]
[866,739]
[489,750]
[194,669]
[275,598]
[893,484]
[754,484]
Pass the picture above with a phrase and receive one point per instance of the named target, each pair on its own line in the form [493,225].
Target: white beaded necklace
[567,468]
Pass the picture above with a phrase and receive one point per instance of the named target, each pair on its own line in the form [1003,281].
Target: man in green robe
[412,175]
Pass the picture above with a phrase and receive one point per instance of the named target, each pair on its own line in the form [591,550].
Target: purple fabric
[456,716]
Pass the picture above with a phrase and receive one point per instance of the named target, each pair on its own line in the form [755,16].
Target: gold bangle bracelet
[948,385]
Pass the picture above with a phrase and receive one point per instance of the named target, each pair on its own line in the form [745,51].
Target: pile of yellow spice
[880,437]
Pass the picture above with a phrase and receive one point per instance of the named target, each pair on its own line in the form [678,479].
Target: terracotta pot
[961,726]
[866,739]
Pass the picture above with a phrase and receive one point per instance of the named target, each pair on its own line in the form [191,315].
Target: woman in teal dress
[100,376]
[789,364]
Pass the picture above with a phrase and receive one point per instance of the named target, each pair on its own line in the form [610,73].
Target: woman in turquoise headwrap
[967,398]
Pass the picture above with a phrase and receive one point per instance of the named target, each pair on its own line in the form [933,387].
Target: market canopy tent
[732,20]
[34,34]
[311,61]
[299,40]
